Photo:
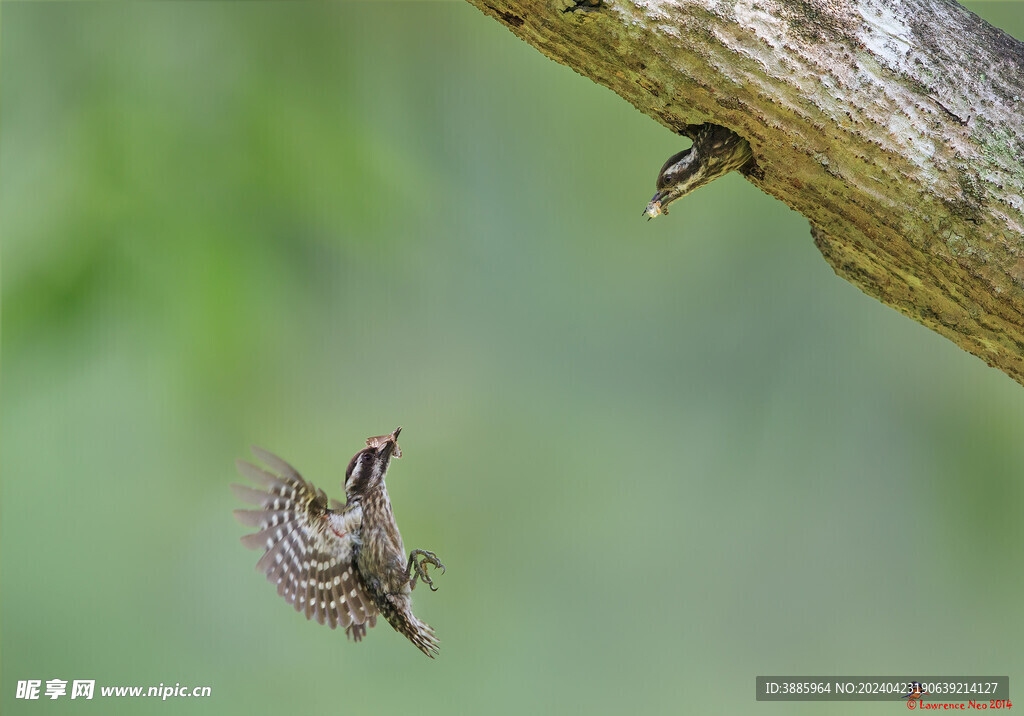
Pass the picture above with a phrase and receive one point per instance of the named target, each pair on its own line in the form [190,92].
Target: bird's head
[716,151]
[369,466]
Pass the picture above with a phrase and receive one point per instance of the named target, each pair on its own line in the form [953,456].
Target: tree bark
[895,127]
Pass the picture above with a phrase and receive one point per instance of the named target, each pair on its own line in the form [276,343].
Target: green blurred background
[659,458]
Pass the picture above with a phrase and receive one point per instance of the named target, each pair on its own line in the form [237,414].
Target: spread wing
[309,547]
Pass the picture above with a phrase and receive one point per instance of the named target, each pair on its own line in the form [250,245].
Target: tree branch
[895,127]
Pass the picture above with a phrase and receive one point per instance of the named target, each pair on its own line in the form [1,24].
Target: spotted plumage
[339,564]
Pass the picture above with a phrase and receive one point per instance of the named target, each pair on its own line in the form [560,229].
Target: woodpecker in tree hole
[716,151]
[340,564]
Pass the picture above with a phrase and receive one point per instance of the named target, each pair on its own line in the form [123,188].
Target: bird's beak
[654,207]
[387,443]
[390,444]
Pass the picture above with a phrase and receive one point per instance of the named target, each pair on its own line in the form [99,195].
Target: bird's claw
[419,568]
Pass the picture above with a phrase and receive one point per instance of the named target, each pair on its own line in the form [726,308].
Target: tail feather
[397,609]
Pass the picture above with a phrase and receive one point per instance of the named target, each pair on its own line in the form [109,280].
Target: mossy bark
[895,127]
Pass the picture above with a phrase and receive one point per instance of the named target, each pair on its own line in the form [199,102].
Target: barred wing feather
[309,547]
